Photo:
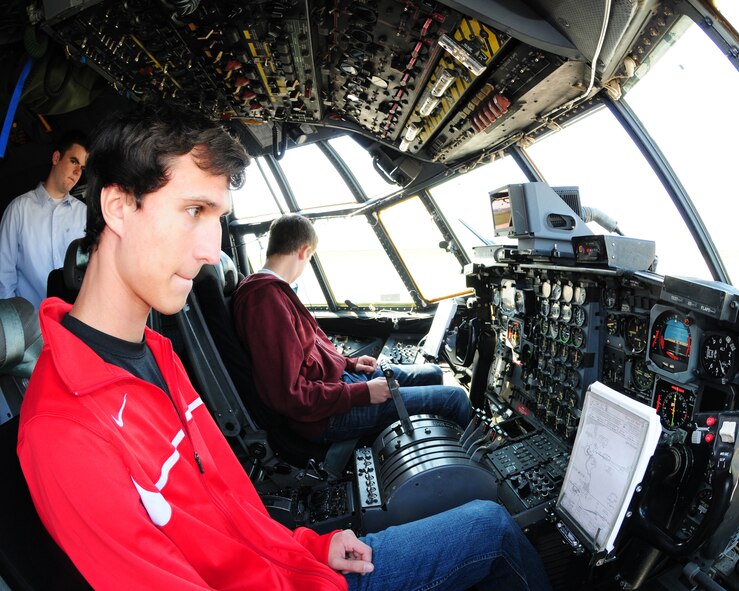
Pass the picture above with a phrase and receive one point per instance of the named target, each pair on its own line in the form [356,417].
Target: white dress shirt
[34,234]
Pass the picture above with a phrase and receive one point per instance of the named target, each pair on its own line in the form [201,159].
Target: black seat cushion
[29,557]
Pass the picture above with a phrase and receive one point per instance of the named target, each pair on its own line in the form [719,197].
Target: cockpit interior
[537,195]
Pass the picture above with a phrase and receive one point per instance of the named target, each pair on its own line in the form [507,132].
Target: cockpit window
[360,163]
[358,269]
[465,202]
[730,10]
[705,167]
[436,271]
[259,197]
[314,181]
[308,288]
[597,155]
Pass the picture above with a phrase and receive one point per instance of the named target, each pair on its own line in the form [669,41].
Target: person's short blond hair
[289,233]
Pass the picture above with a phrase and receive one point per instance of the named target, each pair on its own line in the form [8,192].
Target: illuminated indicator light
[411,132]
[460,54]
[428,105]
[445,80]
[710,421]
[425,28]
[709,437]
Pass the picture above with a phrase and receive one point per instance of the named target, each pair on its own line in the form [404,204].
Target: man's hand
[379,390]
[366,364]
[347,554]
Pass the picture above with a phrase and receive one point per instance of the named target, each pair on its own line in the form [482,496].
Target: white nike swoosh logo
[119,419]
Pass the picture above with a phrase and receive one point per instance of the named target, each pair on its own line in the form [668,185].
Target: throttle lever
[392,384]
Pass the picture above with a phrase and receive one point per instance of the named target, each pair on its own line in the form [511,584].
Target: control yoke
[392,383]
[721,494]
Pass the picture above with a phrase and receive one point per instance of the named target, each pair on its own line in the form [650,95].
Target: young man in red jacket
[127,469]
[297,370]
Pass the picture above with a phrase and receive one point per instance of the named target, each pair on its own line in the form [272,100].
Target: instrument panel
[437,80]
[558,329]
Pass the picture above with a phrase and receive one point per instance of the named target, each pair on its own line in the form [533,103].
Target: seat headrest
[75,264]
[20,337]
[224,271]
[230,274]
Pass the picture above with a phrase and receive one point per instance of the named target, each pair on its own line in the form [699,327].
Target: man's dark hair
[290,232]
[135,150]
[69,138]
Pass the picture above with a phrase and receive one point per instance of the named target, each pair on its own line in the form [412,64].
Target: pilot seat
[29,557]
[213,288]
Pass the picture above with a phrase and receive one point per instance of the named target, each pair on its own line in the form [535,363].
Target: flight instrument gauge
[579,295]
[718,356]
[612,324]
[577,337]
[671,341]
[544,308]
[610,298]
[554,311]
[565,314]
[567,292]
[636,334]
[556,291]
[674,404]
[641,378]
[578,316]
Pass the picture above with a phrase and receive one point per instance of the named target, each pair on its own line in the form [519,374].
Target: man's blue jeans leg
[477,544]
[422,392]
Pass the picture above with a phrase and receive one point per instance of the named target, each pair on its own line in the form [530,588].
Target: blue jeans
[422,391]
[475,545]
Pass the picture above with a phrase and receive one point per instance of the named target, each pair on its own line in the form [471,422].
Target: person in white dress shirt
[38,226]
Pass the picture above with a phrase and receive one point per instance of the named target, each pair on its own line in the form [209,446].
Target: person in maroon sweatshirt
[300,374]
[127,469]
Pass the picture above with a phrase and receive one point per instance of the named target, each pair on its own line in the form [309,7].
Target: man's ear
[113,203]
[56,157]
[304,252]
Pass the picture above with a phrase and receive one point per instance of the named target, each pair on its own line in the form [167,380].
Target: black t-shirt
[135,358]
